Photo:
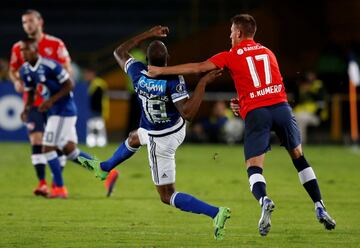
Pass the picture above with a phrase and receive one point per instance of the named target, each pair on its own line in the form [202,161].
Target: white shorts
[161,151]
[60,130]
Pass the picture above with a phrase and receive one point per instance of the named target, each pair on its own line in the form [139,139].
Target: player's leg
[35,126]
[161,152]
[289,134]
[128,148]
[258,124]
[51,139]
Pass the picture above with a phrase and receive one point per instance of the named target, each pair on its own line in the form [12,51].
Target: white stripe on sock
[132,149]
[74,154]
[172,199]
[254,178]
[50,155]
[38,159]
[306,175]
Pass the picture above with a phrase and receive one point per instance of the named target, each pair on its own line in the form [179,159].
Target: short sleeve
[220,59]
[178,89]
[15,59]
[26,78]
[134,69]
[60,73]
[62,53]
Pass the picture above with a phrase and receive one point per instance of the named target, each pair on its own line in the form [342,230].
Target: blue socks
[188,203]
[54,164]
[39,161]
[124,152]
[257,182]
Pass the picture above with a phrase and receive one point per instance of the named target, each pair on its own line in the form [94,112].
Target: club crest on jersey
[48,50]
[152,86]
[240,51]
[180,88]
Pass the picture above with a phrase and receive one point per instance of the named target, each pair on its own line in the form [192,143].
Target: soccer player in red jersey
[262,103]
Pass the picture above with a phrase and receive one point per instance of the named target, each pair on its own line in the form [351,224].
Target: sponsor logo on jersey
[152,86]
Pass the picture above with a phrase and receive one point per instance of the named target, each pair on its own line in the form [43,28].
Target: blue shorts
[261,121]
[36,121]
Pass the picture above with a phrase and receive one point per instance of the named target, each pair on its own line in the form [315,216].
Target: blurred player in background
[49,47]
[99,106]
[165,104]
[60,131]
[262,103]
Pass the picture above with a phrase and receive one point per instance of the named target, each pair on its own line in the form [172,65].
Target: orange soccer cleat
[59,192]
[41,189]
[110,181]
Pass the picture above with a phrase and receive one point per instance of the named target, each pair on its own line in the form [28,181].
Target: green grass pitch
[135,217]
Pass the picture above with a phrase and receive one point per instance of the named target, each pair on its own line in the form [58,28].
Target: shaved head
[157,53]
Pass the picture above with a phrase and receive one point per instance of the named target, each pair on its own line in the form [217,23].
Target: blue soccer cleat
[325,218]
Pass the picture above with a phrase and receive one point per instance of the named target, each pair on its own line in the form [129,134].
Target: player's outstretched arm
[66,88]
[122,52]
[190,68]
[189,107]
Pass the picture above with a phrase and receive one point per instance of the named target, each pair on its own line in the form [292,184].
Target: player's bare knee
[36,138]
[46,149]
[165,198]
[296,152]
[69,148]
[133,139]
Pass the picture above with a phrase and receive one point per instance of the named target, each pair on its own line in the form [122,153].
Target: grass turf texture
[135,217]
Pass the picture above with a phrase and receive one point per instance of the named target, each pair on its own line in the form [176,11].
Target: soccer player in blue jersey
[165,104]
[60,131]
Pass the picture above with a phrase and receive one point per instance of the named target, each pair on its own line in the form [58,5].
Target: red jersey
[256,74]
[49,47]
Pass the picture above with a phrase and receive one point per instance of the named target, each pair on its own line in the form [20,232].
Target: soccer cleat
[59,192]
[324,218]
[93,165]
[41,189]
[219,222]
[111,181]
[265,221]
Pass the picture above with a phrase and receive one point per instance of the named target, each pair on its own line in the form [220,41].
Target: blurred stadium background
[306,36]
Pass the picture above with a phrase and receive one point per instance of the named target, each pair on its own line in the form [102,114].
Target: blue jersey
[49,75]
[157,97]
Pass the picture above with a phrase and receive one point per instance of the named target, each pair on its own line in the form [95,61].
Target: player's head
[32,22]
[29,49]
[157,53]
[243,27]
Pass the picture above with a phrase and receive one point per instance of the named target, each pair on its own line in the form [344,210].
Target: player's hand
[19,86]
[234,106]
[159,31]
[24,115]
[154,71]
[45,106]
[211,76]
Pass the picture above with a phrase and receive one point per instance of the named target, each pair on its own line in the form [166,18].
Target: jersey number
[253,72]
[155,110]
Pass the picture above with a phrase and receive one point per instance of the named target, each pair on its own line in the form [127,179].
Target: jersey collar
[245,43]
[36,66]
